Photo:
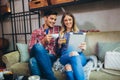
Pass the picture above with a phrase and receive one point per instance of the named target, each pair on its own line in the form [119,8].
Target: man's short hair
[50,12]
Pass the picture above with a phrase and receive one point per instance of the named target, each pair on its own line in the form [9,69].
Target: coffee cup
[8,75]
[55,35]
[63,40]
[34,77]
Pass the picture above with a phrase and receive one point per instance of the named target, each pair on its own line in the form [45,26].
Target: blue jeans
[41,62]
[77,62]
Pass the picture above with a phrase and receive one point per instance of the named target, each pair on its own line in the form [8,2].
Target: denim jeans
[77,62]
[41,62]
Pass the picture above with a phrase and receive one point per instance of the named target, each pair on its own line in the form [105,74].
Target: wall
[102,15]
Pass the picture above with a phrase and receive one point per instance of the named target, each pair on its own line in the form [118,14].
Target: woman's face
[68,22]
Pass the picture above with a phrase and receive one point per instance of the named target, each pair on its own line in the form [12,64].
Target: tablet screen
[76,39]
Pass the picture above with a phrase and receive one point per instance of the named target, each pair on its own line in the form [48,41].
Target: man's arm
[33,40]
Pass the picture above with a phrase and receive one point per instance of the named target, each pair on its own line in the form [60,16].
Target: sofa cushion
[20,69]
[106,46]
[24,54]
[10,58]
[100,75]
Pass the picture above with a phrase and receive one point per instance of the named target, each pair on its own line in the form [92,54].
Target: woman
[72,60]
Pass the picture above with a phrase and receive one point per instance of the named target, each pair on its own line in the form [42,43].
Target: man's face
[50,20]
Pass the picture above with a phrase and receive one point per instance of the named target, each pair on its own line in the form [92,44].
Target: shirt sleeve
[33,39]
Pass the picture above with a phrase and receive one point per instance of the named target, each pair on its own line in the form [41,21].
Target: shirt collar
[45,29]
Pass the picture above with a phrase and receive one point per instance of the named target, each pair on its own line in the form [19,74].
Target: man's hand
[48,37]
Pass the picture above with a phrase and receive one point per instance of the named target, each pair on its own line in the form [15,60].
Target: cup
[55,35]
[63,40]
[34,77]
[8,75]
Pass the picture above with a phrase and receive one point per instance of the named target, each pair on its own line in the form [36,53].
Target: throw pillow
[106,46]
[24,54]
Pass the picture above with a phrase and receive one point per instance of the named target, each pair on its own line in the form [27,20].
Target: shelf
[65,4]
[17,33]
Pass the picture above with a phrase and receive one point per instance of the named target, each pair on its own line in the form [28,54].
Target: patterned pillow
[106,46]
[23,50]
[57,66]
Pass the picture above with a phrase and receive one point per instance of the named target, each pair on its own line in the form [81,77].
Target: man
[42,46]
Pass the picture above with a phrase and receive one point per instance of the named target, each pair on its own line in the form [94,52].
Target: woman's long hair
[64,29]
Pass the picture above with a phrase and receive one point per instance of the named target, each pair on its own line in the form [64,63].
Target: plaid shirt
[39,34]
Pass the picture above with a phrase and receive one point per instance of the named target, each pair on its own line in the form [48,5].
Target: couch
[92,38]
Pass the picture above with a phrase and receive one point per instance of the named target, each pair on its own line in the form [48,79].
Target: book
[76,39]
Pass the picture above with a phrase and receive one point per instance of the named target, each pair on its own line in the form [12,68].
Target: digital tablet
[76,39]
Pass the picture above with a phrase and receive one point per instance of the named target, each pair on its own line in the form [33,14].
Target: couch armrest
[10,58]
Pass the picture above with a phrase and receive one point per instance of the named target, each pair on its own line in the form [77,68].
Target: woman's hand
[61,41]
[83,46]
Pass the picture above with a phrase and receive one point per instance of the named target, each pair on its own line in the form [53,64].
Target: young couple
[44,49]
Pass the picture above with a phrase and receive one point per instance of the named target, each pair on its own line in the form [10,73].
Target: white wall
[102,15]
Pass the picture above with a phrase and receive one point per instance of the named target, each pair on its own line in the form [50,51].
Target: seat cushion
[20,69]
[59,75]
[100,75]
